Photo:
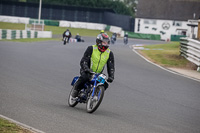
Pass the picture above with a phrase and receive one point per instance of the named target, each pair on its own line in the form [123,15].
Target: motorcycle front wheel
[64,43]
[93,102]
[71,101]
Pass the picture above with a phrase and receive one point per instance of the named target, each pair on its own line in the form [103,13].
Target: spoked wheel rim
[94,102]
[72,101]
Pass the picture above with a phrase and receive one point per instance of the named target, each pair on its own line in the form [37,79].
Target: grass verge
[166,55]
[9,127]
[82,32]
[13,26]
[33,39]
[55,29]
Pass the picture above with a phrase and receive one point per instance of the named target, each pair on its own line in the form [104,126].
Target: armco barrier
[92,26]
[190,49]
[19,34]
[84,25]
[13,19]
[115,29]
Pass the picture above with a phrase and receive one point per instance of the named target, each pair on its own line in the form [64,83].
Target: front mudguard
[74,80]
[105,85]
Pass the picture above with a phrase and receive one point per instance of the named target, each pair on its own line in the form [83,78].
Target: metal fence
[190,49]
[68,13]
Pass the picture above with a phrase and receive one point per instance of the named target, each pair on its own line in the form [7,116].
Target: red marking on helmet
[104,35]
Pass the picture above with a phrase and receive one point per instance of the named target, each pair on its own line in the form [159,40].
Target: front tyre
[72,101]
[64,41]
[94,102]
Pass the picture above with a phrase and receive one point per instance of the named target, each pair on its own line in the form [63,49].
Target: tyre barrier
[21,34]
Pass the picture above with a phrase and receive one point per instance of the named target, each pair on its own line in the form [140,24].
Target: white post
[39,16]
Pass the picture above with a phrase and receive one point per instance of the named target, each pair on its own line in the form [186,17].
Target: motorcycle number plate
[101,78]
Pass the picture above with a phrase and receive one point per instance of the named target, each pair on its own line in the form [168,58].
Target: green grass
[13,26]
[33,39]
[8,127]
[167,55]
[83,32]
[55,29]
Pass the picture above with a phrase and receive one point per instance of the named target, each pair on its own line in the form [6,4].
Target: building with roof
[167,17]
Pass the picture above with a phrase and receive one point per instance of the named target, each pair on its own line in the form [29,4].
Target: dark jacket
[78,38]
[85,62]
[126,35]
[70,34]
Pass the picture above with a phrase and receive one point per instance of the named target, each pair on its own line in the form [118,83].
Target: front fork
[93,90]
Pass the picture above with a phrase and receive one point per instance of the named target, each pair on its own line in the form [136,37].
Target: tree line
[125,7]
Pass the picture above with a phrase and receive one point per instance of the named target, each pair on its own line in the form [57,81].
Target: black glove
[110,80]
[88,70]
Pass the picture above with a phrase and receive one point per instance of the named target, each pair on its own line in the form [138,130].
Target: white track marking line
[22,125]
[163,67]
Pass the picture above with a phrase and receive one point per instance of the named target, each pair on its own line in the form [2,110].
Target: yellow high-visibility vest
[98,59]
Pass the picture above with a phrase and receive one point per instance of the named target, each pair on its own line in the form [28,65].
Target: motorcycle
[125,40]
[65,39]
[91,94]
[113,39]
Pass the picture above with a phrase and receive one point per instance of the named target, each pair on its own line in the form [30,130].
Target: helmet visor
[105,42]
[103,47]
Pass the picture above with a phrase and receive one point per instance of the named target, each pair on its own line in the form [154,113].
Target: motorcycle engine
[83,96]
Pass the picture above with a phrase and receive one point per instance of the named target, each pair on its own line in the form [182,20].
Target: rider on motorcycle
[113,38]
[67,34]
[126,38]
[126,35]
[94,60]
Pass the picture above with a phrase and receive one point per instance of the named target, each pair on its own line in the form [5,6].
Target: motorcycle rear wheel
[71,101]
[94,102]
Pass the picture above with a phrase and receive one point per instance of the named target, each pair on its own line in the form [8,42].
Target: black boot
[76,89]
[79,84]
[74,93]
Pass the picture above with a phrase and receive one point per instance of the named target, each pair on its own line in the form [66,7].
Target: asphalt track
[35,83]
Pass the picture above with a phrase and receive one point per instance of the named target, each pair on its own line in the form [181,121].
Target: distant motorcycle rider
[67,34]
[78,37]
[126,38]
[126,35]
[94,60]
[102,31]
[113,38]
